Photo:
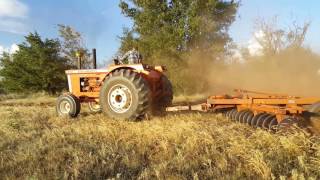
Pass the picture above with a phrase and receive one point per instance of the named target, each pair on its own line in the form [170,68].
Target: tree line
[164,31]
[40,64]
[189,37]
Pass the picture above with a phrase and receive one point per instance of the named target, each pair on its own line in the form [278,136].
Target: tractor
[129,91]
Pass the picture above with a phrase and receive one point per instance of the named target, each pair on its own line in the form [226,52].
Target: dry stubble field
[35,144]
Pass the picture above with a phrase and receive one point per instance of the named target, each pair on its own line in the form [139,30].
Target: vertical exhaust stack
[94,58]
[79,55]
[79,62]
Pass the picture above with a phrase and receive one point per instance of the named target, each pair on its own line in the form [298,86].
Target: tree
[72,42]
[168,32]
[2,91]
[37,66]
[274,39]
[178,26]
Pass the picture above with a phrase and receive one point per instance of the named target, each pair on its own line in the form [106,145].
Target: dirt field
[35,144]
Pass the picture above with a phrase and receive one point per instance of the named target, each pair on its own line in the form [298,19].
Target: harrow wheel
[243,113]
[267,121]
[248,118]
[227,114]
[273,124]
[288,122]
[261,120]
[237,116]
[255,119]
[232,113]
[245,116]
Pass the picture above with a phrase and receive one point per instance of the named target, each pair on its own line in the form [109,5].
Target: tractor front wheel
[68,106]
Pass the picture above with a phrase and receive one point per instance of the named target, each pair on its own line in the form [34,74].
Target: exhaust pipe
[94,58]
[79,62]
[79,55]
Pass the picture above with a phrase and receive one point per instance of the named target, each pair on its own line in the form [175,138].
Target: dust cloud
[292,72]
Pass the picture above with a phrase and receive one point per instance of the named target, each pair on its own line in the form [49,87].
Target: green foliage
[37,66]
[177,25]
[2,91]
[73,42]
[171,30]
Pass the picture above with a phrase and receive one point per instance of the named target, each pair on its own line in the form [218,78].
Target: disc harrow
[263,110]
[263,120]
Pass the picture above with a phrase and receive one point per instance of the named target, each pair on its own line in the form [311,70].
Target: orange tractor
[130,91]
[119,91]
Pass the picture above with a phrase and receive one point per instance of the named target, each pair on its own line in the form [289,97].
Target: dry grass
[27,99]
[35,144]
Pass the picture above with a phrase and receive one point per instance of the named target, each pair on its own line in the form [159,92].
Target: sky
[101,21]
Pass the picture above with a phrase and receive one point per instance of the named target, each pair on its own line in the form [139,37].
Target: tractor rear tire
[125,95]
[164,100]
[68,106]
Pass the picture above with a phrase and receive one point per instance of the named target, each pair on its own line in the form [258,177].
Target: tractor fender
[135,67]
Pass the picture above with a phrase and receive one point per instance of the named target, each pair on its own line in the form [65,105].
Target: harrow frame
[281,106]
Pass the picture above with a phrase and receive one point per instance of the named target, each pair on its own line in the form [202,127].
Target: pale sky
[101,21]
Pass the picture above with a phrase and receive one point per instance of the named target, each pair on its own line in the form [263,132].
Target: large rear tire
[125,95]
[160,103]
[68,106]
